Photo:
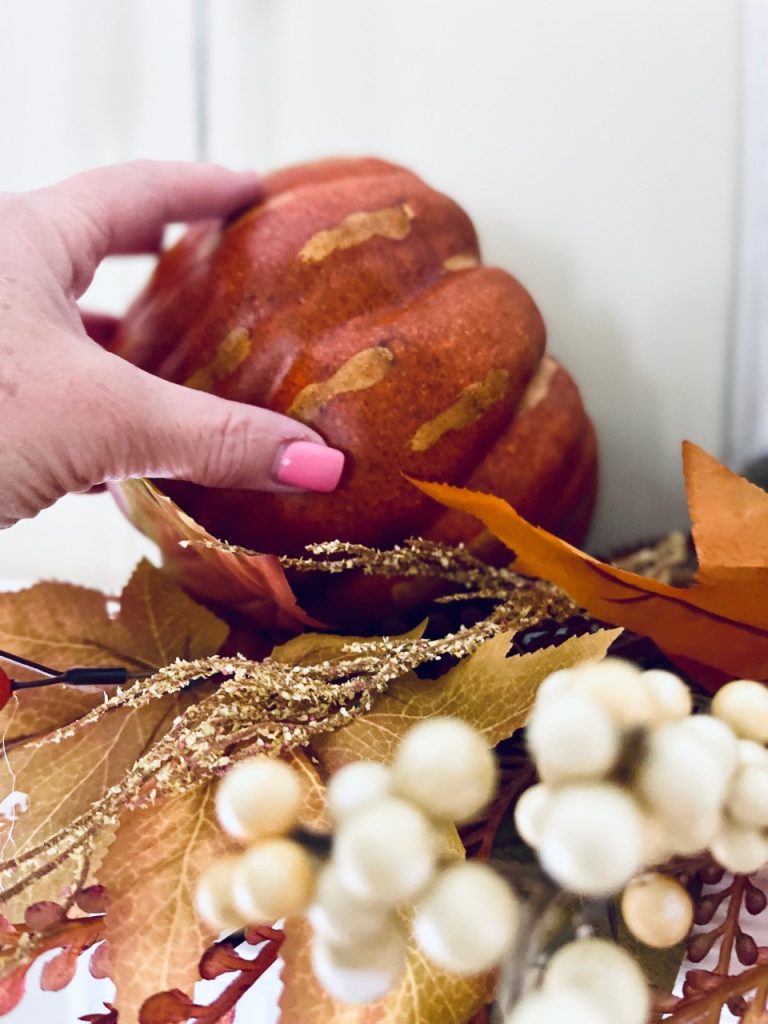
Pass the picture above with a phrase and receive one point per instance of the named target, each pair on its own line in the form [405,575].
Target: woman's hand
[71,414]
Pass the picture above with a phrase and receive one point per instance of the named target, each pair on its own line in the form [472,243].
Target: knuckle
[229,451]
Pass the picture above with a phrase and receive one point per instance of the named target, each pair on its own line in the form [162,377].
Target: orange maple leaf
[717,628]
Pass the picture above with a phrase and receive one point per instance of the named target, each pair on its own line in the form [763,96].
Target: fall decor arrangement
[533,789]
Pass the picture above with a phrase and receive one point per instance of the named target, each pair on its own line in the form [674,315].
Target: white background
[596,143]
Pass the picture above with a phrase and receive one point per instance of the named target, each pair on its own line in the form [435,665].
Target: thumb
[184,434]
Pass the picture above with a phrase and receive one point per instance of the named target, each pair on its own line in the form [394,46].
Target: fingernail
[313,467]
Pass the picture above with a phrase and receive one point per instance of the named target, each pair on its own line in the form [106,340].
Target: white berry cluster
[629,777]
[590,981]
[389,855]
[257,803]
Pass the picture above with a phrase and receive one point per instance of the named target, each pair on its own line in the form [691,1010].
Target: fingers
[179,433]
[123,209]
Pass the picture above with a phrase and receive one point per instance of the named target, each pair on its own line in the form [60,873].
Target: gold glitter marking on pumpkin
[473,401]
[363,370]
[231,353]
[391,222]
[461,261]
[538,385]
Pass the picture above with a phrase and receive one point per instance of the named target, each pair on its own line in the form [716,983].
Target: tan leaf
[62,625]
[315,648]
[313,813]
[35,712]
[43,788]
[492,692]
[425,994]
[151,872]
[58,782]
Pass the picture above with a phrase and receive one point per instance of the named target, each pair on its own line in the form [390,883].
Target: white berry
[213,898]
[571,738]
[748,796]
[467,921]
[618,686]
[692,834]
[740,849]
[603,972]
[355,785]
[750,752]
[743,704]
[681,778]
[558,1006]
[257,798]
[361,974]
[593,838]
[556,685]
[386,852]
[446,767]
[338,917]
[671,697]
[531,812]
[718,737]
[657,910]
[273,879]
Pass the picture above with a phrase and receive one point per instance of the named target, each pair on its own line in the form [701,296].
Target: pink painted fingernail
[313,467]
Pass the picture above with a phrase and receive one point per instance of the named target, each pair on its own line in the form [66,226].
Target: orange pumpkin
[353,299]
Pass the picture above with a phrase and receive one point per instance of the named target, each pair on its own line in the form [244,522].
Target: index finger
[123,208]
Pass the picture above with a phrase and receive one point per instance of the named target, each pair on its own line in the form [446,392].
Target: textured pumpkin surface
[353,299]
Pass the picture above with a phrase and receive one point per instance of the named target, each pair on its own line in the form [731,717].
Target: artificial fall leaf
[254,585]
[313,813]
[715,629]
[490,691]
[151,873]
[43,786]
[60,781]
[316,648]
[63,625]
[424,995]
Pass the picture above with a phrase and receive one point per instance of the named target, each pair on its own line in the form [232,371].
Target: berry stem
[731,924]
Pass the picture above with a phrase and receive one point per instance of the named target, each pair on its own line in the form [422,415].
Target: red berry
[6,689]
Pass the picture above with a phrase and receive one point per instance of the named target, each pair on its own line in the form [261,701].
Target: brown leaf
[492,692]
[313,813]
[315,648]
[63,625]
[62,780]
[425,995]
[715,629]
[156,623]
[254,585]
[151,872]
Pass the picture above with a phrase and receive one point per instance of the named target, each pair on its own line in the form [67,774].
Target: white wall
[595,144]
